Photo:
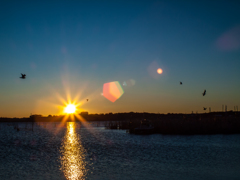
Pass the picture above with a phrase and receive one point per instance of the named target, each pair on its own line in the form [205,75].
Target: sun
[70,108]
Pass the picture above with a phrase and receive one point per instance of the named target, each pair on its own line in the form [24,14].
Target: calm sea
[72,151]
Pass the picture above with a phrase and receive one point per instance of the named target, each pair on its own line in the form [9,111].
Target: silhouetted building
[84,113]
[35,116]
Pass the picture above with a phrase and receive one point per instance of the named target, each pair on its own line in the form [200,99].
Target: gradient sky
[69,49]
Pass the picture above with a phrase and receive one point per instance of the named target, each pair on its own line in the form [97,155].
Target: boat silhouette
[145,128]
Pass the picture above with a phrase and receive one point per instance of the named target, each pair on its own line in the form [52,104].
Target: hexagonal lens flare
[112,91]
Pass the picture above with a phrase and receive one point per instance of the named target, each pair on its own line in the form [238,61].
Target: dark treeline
[203,123]
[186,124]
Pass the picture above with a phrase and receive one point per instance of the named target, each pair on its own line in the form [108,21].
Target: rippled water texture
[72,151]
[72,159]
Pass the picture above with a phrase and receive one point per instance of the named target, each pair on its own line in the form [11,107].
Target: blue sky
[80,45]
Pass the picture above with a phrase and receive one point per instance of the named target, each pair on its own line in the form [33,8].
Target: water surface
[76,152]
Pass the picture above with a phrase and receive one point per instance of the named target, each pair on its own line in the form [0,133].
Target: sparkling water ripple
[49,152]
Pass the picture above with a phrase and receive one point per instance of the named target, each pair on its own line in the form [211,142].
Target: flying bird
[204,108]
[204,93]
[23,76]
[87,99]
[180,83]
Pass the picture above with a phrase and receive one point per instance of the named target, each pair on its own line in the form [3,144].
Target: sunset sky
[69,49]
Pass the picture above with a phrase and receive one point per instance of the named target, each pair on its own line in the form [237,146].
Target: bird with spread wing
[23,76]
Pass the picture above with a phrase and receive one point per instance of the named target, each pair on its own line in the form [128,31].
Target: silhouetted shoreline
[202,123]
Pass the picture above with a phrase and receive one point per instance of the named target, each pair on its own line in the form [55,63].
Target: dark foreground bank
[206,123]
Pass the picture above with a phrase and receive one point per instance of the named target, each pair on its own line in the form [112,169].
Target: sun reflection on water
[72,159]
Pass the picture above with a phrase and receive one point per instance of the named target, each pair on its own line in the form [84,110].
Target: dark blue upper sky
[87,43]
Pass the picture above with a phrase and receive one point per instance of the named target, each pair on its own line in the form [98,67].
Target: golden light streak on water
[72,159]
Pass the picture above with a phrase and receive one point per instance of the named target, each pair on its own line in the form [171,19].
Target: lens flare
[154,70]
[130,82]
[230,40]
[159,71]
[112,91]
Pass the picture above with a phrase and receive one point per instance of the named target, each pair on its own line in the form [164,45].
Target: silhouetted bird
[23,76]
[204,108]
[204,93]
[87,99]
[180,83]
